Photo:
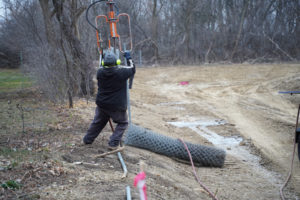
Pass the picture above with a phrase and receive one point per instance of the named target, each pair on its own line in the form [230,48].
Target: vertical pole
[124,49]
[128,193]
[21,63]
[114,44]
[128,94]
[100,60]
[128,103]
[21,58]
[140,56]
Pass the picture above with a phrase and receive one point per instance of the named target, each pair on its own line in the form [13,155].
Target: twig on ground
[109,152]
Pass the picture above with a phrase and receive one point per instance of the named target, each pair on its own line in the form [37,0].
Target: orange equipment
[112,19]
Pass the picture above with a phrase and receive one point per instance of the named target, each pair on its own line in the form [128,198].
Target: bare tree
[69,32]
[178,32]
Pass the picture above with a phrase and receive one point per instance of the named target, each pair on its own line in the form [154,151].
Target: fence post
[140,57]
[124,49]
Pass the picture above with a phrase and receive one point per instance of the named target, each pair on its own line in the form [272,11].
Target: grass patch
[37,116]
[16,154]
[11,80]
[11,184]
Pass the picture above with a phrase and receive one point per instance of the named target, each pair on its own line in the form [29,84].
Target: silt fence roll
[146,139]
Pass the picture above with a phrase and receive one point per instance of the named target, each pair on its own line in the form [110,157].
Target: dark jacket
[112,86]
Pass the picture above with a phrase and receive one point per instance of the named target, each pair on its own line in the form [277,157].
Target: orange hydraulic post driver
[112,19]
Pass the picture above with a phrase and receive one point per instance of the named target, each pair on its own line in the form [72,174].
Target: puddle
[179,108]
[230,144]
[173,104]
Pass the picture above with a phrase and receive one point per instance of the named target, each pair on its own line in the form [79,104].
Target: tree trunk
[154,30]
[47,22]
[240,29]
[74,43]
[68,74]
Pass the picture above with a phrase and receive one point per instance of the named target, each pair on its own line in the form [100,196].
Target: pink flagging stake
[140,182]
[184,83]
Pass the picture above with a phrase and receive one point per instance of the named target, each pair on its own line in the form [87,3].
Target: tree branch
[278,47]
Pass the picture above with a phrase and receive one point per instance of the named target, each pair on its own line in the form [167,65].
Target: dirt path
[246,97]
[234,107]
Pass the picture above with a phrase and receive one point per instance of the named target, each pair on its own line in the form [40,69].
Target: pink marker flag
[184,83]
[140,182]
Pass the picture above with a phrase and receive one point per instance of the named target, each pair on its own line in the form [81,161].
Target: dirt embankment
[245,96]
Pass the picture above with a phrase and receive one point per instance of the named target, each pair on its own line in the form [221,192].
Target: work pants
[100,120]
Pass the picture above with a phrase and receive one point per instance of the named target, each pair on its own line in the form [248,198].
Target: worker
[111,98]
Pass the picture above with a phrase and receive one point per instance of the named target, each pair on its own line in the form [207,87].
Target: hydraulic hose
[194,171]
[87,13]
[293,157]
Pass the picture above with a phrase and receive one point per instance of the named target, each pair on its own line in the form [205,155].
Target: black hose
[298,141]
[87,12]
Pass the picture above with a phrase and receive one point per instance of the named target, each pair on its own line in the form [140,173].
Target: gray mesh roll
[202,155]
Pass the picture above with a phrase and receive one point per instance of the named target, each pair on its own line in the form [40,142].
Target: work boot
[83,143]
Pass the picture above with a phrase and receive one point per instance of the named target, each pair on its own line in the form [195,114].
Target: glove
[127,55]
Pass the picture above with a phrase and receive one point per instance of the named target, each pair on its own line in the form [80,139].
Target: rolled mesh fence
[146,139]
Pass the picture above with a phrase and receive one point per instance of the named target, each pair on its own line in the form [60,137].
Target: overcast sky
[1,9]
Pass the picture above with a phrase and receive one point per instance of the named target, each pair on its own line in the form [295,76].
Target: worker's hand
[127,55]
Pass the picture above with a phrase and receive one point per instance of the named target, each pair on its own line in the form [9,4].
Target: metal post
[21,58]
[123,165]
[128,193]
[128,103]
[128,94]
[100,60]
[140,56]
[124,49]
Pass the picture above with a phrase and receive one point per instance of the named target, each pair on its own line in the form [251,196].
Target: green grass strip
[11,80]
